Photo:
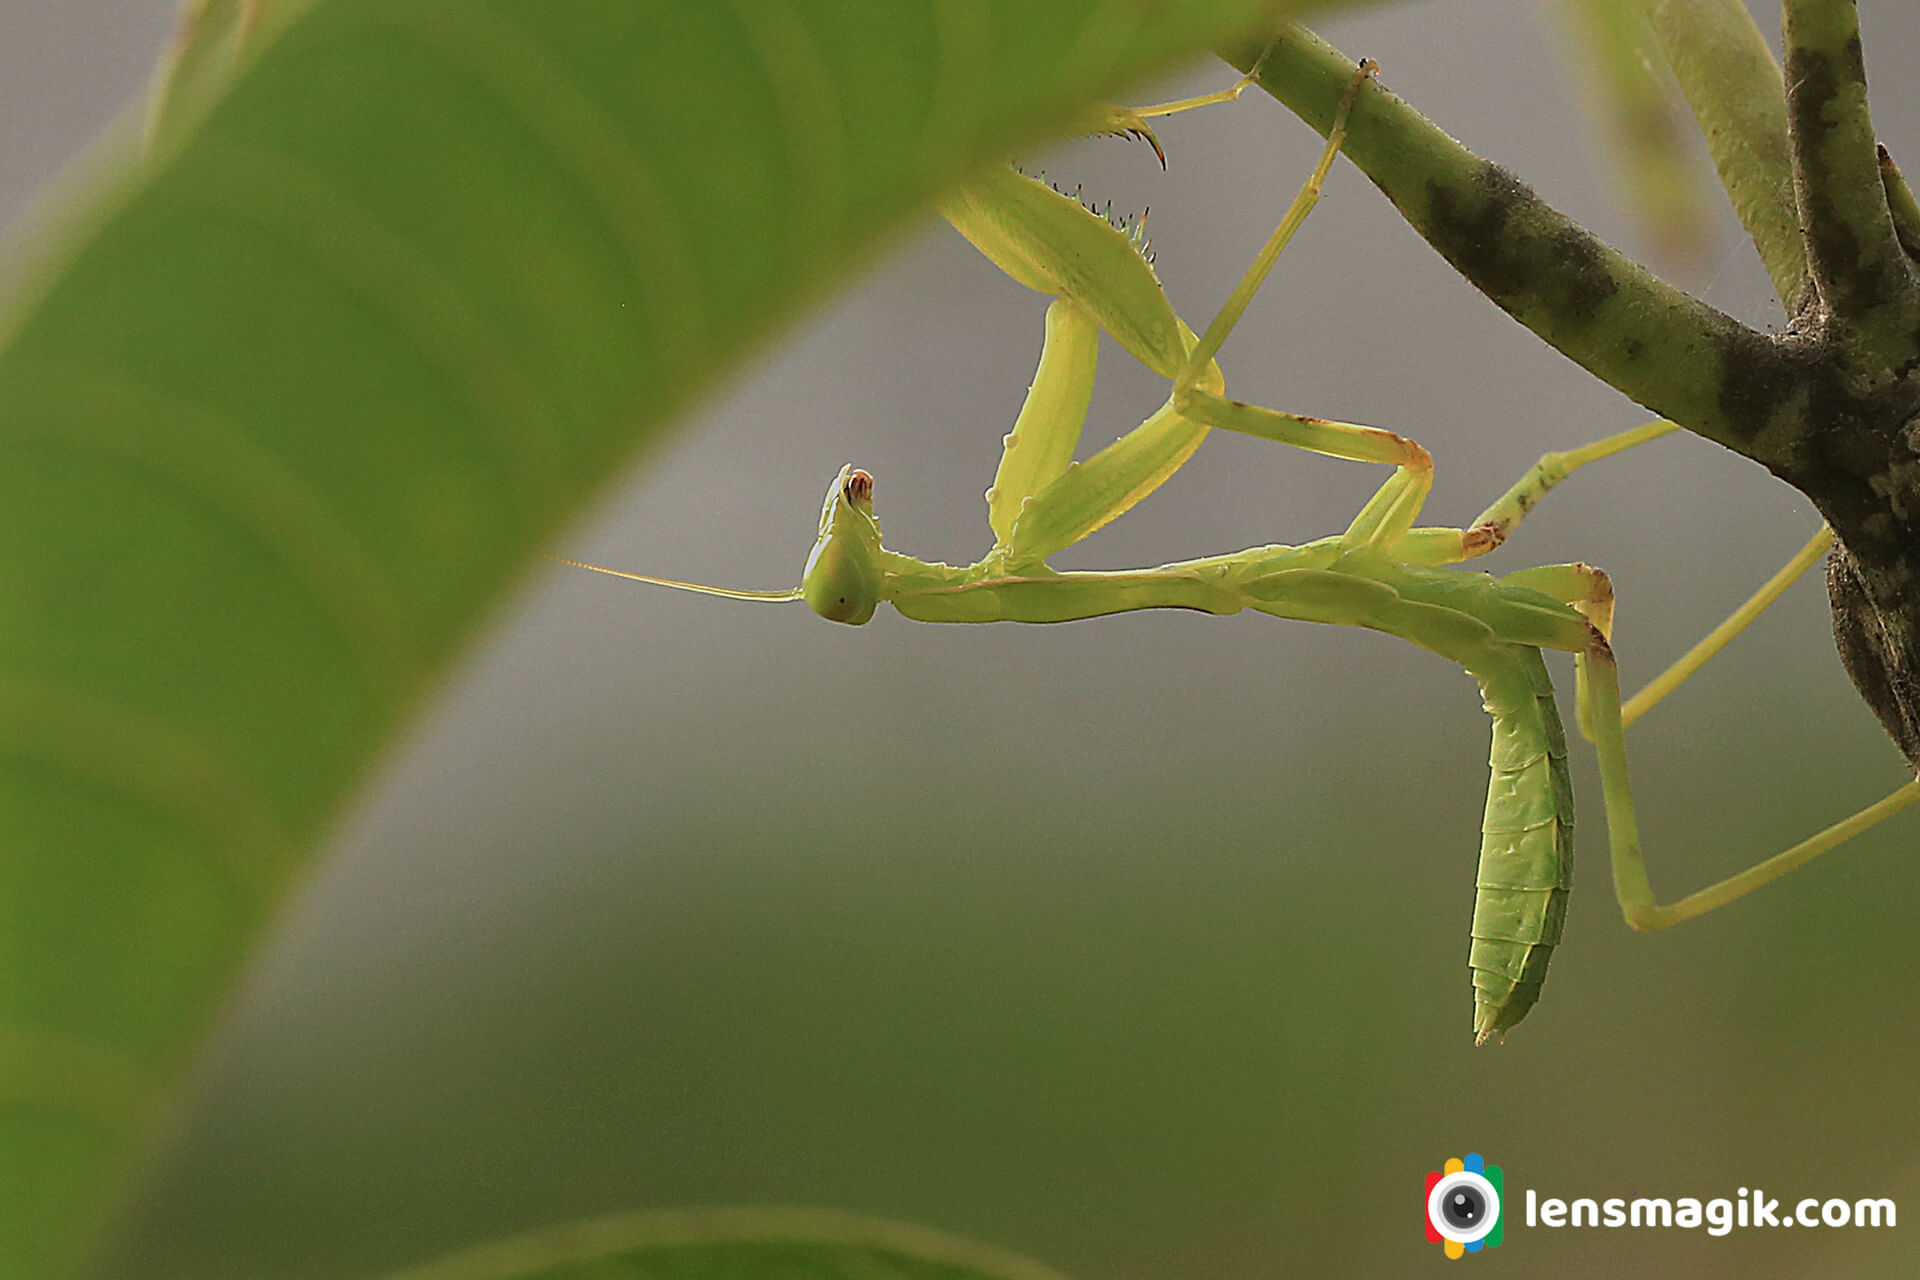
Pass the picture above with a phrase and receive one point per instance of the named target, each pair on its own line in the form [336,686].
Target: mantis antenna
[769,597]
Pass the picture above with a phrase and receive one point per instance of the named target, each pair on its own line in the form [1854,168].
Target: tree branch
[1863,275]
[1900,202]
[1667,350]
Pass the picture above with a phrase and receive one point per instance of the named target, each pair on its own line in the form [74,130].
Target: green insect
[1383,572]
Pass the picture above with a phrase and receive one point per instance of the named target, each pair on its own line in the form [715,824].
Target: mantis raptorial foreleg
[1039,449]
[1025,229]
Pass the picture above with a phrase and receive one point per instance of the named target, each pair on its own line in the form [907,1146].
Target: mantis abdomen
[1526,845]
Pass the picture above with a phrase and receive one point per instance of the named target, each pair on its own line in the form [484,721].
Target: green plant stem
[1733,85]
[1629,85]
[1900,202]
[1864,277]
[1829,405]
[1669,351]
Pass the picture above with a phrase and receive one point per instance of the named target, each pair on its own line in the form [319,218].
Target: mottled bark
[1831,405]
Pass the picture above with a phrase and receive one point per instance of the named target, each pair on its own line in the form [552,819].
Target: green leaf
[735,1244]
[216,39]
[375,324]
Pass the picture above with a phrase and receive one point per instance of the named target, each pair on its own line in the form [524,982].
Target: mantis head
[842,579]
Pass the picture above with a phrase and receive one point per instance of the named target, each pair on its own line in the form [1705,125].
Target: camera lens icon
[1463,1206]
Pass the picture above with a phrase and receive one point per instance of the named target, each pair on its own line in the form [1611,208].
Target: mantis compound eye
[859,488]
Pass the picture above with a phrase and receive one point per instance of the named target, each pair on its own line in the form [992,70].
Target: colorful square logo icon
[1463,1206]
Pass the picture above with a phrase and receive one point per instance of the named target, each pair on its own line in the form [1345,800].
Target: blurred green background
[1136,945]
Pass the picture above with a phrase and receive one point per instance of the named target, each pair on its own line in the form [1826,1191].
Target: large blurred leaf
[736,1244]
[281,431]
[216,39]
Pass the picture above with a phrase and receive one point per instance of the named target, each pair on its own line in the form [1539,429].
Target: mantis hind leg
[1717,639]
[1601,720]
[1630,884]
[1567,583]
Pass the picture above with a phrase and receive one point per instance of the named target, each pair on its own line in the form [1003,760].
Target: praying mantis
[1383,572]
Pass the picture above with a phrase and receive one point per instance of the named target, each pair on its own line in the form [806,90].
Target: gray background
[1137,945]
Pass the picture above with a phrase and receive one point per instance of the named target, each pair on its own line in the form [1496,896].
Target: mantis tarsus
[1383,572]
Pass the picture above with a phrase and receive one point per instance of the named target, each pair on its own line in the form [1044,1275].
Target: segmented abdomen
[1526,847]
